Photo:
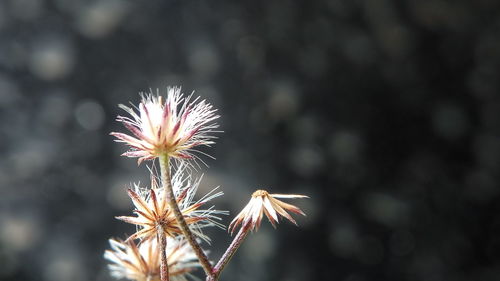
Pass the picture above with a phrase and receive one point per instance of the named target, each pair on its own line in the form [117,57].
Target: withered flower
[142,262]
[172,127]
[153,211]
[264,203]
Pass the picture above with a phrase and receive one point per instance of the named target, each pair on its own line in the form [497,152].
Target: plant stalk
[231,250]
[167,185]
[162,244]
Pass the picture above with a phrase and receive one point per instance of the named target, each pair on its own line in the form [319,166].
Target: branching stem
[167,185]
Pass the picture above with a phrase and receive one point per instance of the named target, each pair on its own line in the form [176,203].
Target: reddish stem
[231,250]
[162,244]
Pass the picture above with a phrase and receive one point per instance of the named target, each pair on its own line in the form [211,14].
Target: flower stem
[167,185]
[231,250]
[162,244]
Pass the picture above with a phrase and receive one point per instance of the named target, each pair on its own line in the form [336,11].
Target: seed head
[154,214]
[173,126]
[142,262]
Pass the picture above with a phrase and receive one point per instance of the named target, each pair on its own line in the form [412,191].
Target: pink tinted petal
[131,220]
[183,155]
[282,212]
[135,153]
[136,131]
[125,137]
[291,208]
[144,158]
[155,202]
[176,128]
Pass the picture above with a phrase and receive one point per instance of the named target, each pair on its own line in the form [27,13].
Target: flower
[153,211]
[264,203]
[172,127]
[142,262]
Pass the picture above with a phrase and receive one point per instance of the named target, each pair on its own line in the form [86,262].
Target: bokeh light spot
[89,114]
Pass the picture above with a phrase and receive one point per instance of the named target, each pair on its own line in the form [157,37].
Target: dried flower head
[142,262]
[172,127]
[264,203]
[153,211]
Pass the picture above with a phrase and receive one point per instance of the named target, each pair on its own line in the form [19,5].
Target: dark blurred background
[386,113]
